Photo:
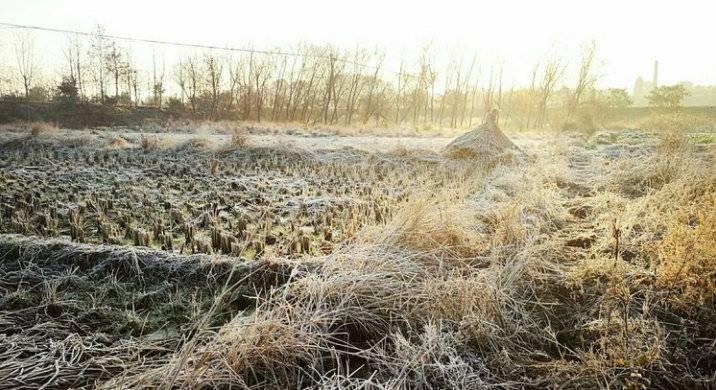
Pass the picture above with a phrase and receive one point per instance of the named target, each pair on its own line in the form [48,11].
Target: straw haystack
[486,143]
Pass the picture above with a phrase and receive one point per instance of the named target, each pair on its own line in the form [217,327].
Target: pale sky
[629,34]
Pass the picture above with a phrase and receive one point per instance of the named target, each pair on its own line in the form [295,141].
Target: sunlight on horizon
[630,35]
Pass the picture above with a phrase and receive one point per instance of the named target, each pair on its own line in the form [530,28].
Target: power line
[184,44]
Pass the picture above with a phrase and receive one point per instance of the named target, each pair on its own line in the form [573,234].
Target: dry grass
[686,261]
[239,138]
[430,227]
[199,143]
[149,142]
[40,128]
[443,297]
[508,277]
[277,128]
[34,129]
[678,122]
[118,143]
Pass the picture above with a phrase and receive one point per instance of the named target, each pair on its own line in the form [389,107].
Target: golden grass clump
[687,254]
[431,228]
[456,298]
[118,143]
[41,128]
[361,292]
[436,225]
[270,345]
[506,224]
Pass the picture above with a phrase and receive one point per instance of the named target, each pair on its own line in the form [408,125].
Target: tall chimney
[655,80]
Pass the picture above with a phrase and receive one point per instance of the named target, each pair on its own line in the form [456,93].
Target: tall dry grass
[474,284]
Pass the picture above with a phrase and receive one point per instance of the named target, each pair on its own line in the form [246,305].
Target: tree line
[321,84]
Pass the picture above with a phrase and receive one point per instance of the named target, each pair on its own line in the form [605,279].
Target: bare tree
[330,90]
[247,85]
[356,83]
[26,63]
[261,73]
[339,84]
[129,73]
[280,85]
[425,87]
[530,97]
[214,70]
[373,86]
[456,92]
[419,95]
[552,72]
[73,53]
[294,86]
[70,57]
[98,49]
[585,79]
[135,86]
[444,98]
[399,91]
[115,65]
[78,65]
[180,75]
[193,82]
[234,82]
[320,84]
[157,82]
[311,91]
[465,93]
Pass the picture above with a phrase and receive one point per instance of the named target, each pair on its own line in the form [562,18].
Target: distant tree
[175,107]
[585,79]
[180,78]
[605,105]
[334,67]
[26,64]
[67,90]
[551,74]
[668,96]
[191,81]
[75,47]
[38,94]
[618,98]
[115,65]
[261,71]
[279,90]
[99,47]
[234,82]
[130,74]
[213,70]
[157,83]
[356,84]
[374,83]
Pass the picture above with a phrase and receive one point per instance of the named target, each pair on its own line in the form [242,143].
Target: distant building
[699,95]
[643,88]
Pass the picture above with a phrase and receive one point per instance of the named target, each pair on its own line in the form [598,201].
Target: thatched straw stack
[486,143]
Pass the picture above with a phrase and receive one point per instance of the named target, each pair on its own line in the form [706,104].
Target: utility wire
[184,44]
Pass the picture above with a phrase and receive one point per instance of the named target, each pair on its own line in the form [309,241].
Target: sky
[630,34]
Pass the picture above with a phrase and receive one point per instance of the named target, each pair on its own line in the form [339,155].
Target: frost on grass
[589,267]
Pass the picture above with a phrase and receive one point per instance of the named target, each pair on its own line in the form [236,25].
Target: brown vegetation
[592,266]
